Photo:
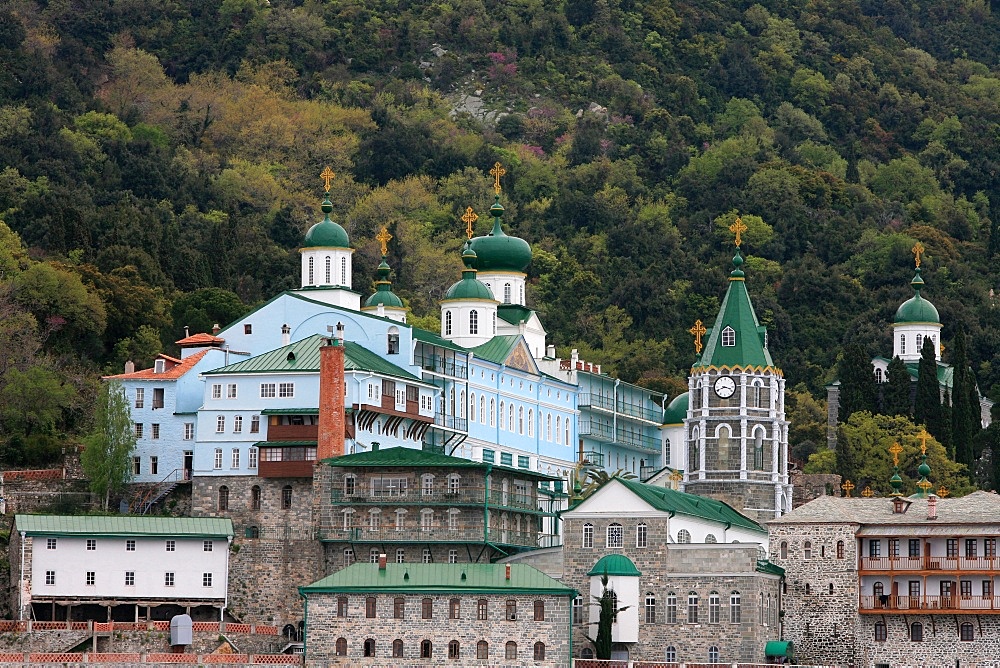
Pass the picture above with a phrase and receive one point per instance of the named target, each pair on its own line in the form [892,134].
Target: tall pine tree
[962,431]
[927,406]
[896,391]
[857,382]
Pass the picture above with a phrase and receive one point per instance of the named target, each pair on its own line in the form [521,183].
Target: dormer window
[159,366]
[392,341]
[728,337]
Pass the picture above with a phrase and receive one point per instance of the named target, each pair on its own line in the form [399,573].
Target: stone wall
[325,627]
[809,486]
[821,598]
[274,550]
[755,499]
[941,645]
[679,569]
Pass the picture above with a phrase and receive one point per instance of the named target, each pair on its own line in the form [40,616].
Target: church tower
[468,310]
[916,319]
[735,432]
[326,258]
[384,302]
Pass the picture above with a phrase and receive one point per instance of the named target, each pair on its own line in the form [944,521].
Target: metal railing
[929,603]
[620,436]
[930,563]
[466,495]
[462,533]
[621,407]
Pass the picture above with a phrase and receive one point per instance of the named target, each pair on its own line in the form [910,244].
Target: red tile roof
[200,340]
[173,368]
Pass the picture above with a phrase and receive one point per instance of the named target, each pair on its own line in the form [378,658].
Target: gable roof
[123,525]
[398,457]
[173,368]
[435,340]
[439,579]
[201,339]
[508,350]
[514,314]
[976,508]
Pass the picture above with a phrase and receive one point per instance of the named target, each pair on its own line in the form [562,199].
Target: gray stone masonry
[808,486]
[670,569]
[941,645]
[355,628]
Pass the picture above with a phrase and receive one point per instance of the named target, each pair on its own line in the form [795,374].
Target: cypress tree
[896,391]
[927,406]
[857,382]
[961,429]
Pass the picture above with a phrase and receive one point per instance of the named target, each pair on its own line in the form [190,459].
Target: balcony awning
[284,444]
[778,648]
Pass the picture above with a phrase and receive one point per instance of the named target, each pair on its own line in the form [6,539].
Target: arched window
[710,538]
[966,632]
[482,409]
[566,431]
[586,653]
[588,535]
[493,415]
[671,608]
[878,589]
[447,323]
[397,648]
[728,337]
[558,427]
[482,650]
[327,281]
[670,656]
[510,418]
[722,436]
[473,322]
[539,651]
[520,420]
[454,483]
[503,406]
[920,341]
[713,654]
[692,607]
[615,535]
[392,341]
[683,536]
[807,551]
[426,649]
[641,535]
[756,393]
[916,632]
[758,449]
[735,605]
[453,649]
[548,427]
[694,454]
[714,607]
[223,498]
[650,608]
[461,403]
[311,281]
[902,344]
[881,632]
[531,422]
[472,406]
[539,610]
[343,271]
[840,549]
[510,650]
[286,497]
[506,293]
[784,550]
[341,647]
[255,497]
[878,376]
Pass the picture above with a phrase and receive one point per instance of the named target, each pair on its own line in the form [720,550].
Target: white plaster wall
[626,626]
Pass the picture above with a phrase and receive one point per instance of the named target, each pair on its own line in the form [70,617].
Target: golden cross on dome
[917,250]
[924,485]
[943,491]
[383,237]
[923,441]
[942,348]
[848,487]
[895,450]
[496,173]
[469,218]
[327,176]
[738,228]
[698,331]
[868,492]
[676,476]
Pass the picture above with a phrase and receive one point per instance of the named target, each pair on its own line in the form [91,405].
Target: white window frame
[728,337]
[231,391]
[267,390]
[286,390]
[252,457]
[140,397]
[235,463]
[217,390]
[218,458]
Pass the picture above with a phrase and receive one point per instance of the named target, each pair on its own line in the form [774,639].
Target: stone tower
[735,432]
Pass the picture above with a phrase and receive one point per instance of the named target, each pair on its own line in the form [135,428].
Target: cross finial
[698,331]
[895,450]
[943,491]
[868,492]
[676,476]
[917,250]
[738,228]
[383,237]
[848,487]
[925,485]
[923,441]
[327,176]
[469,218]
[496,173]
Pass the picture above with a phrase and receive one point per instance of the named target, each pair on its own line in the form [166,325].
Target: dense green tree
[107,454]
[896,389]
[33,401]
[964,418]
[927,405]
[857,382]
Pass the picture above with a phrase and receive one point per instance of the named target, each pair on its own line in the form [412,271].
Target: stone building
[873,582]
[463,614]
[692,571]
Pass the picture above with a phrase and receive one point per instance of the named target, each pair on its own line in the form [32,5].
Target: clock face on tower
[725,387]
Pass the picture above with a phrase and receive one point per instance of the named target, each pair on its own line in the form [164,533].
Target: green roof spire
[326,233]
[924,469]
[916,308]
[384,295]
[895,481]
[469,287]
[497,250]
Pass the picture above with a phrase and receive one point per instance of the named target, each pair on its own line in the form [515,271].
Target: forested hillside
[159,164]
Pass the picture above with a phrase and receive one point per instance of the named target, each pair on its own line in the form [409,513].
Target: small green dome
[615,564]
[468,287]
[499,252]
[384,295]
[677,409]
[916,308]
[326,233]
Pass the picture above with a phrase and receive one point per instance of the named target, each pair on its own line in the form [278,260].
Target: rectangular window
[452,556]
[990,548]
[154,465]
[693,609]
[874,548]
[523,462]
[217,391]
[987,588]
[454,609]
[130,546]
[236,459]
[588,535]
[129,578]
[267,390]
[218,458]
[50,577]
[506,459]
[91,544]
[154,431]
[248,329]
[50,544]
[511,611]
[138,430]
[252,458]
[389,487]
[206,579]
[965,588]
[286,390]
[220,424]
[427,608]
[914,588]
[137,465]
[577,610]
[914,550]
[255,424]
[168,579]
[488,456]
[140,397]
[971,548]
[398,608]
[206,546]
[171,546]
[341,606]
[157,397]
[189,431]
[370,607]
[640,535]
[952,548]
[238,424]
[91,578]
[231,391]
[894,547]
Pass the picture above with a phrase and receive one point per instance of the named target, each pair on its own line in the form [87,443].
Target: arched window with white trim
[503,405]
[728,337]
[473,322]
[311,280]
[343,271]
[328,267]
[447,323]
[506,293]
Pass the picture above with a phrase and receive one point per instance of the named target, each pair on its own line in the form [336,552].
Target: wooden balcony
[299,469]
[929,565]
[292,432]
[464,496]
[462,533]
[388,407]
[923,605]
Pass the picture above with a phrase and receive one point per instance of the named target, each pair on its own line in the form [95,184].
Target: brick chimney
[932,507]
[330,442]
[381,562]
[508,571]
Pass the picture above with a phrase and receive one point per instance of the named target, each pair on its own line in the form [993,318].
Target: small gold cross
[496,173]
[738,228]
[327,176]
[676,476]
[469,218]
[943,491]
[848,487]
[895,450]
[924,485]
[917,250]
[383,237]
[868,492]
[923,441]
[698,330]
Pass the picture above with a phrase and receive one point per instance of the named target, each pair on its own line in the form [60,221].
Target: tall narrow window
[286,497]
[223,499]
[311,279]
[539,610]
[588,535]
[920,341]
[902,344]
[454,649]
[482,650]
[916,632]
[840,549]
[328,276]
[539,651]
[370,606]
[881,632]
[640,534]
[692,607]
[255,498]
[714,606]
[506,293]
[650,608]
[397,648]
[671,608]
[473,322]
[447,323]
[735,612]
[615,535]
[427,608]
[343,271]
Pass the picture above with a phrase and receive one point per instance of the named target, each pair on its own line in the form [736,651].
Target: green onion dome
[677,409]
[384,295]
[468,287]
[499,252]
[615,564]
[916,308]
[326,233]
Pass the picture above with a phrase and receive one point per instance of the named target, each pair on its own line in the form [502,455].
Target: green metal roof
[765,566]
[736,312]
[615,564]
[677,409]
[515,314]
[439,579]
[418,459]
[435,340]
[290,411]
[499,252]
[663,498]
[326,233]
[916,309]
[778,648]
[123,525]
[497,349]
[303,357]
